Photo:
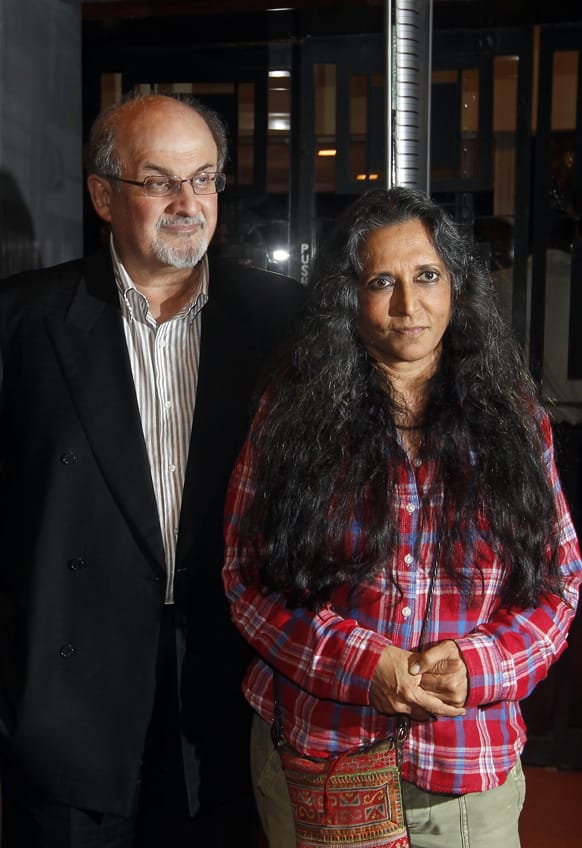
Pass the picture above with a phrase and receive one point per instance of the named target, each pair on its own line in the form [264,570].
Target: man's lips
[185,225]
[181,229]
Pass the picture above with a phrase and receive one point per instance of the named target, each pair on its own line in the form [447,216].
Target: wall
[41,178]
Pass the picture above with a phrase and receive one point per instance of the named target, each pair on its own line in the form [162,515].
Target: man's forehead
[164,131]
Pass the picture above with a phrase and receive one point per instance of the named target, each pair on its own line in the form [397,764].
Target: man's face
[160,137]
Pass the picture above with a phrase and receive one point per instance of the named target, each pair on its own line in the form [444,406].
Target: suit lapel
[90,344]
[221,412]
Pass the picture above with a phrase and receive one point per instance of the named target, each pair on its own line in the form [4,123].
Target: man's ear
[100,191]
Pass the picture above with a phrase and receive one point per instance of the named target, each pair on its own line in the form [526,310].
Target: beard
[187,249]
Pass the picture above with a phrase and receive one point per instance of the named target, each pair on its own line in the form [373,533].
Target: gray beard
[187,255]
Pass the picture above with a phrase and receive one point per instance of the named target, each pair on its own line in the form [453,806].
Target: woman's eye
[380,283]
[429,276]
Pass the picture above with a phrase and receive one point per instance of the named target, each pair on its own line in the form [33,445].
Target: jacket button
[76,564]
[67,651]
[68,457]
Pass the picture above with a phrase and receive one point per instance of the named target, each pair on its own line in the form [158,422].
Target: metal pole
[408,86]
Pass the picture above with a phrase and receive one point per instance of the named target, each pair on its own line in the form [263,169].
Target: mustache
[171,220]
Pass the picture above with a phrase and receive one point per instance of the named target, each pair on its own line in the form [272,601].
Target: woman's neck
[409,405]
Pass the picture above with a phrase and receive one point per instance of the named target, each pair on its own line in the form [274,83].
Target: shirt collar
[133,298]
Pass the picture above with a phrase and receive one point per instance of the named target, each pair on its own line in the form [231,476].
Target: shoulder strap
[427,612]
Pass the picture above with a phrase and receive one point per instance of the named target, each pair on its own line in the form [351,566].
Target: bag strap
[429,597]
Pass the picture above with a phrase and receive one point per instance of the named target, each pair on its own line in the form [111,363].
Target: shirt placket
[167,462]
[405,614]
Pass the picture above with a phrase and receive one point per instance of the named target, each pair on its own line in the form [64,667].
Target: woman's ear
[100,192]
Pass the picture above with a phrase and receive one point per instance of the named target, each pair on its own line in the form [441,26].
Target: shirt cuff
[362,653]
[491,678]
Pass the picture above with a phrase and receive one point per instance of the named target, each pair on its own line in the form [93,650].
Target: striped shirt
[164,362]
[326,660]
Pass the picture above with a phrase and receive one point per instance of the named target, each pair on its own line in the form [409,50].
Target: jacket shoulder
[53,284]
[255,291]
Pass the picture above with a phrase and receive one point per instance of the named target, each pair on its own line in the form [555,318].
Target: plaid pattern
[327,659]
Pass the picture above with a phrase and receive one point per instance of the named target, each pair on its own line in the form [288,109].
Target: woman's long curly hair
[326,443]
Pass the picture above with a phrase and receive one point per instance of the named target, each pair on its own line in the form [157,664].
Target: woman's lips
[409,331]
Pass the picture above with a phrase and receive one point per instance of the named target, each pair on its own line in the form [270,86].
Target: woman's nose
[403,300]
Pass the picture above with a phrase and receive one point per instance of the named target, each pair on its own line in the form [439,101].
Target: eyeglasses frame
[219,183]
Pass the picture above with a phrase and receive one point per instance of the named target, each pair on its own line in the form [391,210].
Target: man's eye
[159,183]
[203,179]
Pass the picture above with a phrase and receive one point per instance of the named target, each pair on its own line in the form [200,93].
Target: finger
[436,658]
[418,714]
[436,706]
[454,693]
[436,683]
[451,700]
[445,665]
[414,664]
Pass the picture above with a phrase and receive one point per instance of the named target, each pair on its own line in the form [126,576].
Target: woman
[401,431]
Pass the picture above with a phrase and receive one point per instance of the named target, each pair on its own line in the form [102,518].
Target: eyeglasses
[208,182]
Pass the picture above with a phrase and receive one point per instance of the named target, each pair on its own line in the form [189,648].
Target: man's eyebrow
[166,172]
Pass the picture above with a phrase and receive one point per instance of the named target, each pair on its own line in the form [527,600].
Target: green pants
[474,820]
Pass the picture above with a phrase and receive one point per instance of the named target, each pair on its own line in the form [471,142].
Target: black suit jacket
[82,574]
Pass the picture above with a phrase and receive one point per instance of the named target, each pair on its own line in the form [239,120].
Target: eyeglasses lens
[167,187]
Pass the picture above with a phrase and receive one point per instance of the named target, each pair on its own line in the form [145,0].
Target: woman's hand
[443,672]
[396,690]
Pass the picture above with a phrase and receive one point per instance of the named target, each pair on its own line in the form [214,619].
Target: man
[125,398]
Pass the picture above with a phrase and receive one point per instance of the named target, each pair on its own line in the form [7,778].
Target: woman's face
[404,299]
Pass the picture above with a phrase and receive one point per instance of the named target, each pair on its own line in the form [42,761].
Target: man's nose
[186,201]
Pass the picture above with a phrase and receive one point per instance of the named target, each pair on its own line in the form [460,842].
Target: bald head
[134,116]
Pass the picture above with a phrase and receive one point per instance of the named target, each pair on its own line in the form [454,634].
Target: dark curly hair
[326,442]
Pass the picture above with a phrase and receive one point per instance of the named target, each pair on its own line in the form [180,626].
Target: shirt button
[408,559]
[76,564]
[172,467]
[68,457]
[410,507]
[167,404]
[417,462]
[67,651]
[406,612]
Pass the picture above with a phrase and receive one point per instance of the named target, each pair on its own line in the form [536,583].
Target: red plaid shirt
[326,660]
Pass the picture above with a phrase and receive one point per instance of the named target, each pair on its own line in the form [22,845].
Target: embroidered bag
[354,798]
